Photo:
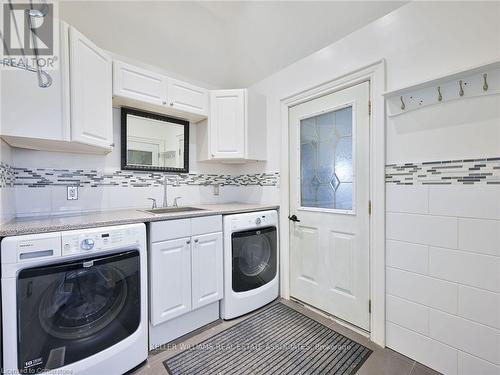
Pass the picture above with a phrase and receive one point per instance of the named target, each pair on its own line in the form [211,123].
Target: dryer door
[254,255]
[70,311]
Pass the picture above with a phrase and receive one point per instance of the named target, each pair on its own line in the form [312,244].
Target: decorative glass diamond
[334,182]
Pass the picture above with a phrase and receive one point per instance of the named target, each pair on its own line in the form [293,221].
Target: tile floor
[381,361]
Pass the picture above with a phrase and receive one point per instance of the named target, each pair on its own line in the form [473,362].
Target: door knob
[294,218]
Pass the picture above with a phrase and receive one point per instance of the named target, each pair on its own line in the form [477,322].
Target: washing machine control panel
[97,241]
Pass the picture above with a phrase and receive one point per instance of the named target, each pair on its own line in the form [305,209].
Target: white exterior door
[206,263]
[329,198]
[227,124]
[170,279]
[91,92]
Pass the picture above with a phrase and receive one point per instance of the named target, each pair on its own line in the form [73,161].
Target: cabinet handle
[164,102]
[196,241]
[188,242]
[171,104]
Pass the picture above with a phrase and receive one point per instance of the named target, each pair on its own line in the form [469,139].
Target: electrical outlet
[216,189]
[72,193]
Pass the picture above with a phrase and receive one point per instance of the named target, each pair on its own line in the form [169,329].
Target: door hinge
[369,207]
[369,306]
[369,107]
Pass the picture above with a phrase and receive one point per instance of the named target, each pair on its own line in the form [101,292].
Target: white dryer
[250,262]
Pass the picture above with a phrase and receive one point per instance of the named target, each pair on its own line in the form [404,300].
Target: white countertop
[54,223]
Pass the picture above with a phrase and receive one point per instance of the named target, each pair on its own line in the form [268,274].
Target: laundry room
[250,187]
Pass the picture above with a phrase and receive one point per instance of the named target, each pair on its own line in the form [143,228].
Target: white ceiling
[224,44]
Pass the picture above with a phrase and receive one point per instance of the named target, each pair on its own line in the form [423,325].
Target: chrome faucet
[154,203]
[165,199]
[176,202]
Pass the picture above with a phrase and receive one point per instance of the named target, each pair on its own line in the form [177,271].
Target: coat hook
[403,106]
[440,96]
[461,92]
[485,85]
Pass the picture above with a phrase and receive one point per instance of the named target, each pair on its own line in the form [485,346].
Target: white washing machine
[75,302]
[250,262]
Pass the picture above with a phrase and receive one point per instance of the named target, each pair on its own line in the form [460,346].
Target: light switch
[72,193]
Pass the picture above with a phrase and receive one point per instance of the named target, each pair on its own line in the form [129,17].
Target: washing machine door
[254,255]
[68,312]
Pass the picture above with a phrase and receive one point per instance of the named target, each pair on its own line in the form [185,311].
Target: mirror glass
[154,142]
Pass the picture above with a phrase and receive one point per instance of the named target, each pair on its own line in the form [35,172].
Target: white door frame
[375,73]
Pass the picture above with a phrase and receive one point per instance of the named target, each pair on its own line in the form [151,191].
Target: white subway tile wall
[479,306]
[408,314]
[422,348]
[407,256]
[443,265]
[470,365]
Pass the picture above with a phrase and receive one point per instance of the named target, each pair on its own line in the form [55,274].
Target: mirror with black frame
[152,141]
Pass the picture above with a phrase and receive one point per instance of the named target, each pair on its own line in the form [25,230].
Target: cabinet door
[91,92]
[207,271]
[227,124]
[186,97]
[140,84]
[170,279]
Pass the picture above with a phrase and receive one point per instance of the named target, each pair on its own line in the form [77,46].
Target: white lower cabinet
[185,276]
[206,267]
[170,274]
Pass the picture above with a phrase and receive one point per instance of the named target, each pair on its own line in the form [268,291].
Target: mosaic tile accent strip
[467,172]
[7,175]
[42,177]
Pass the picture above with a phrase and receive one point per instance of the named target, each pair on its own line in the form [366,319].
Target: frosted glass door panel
[326,162]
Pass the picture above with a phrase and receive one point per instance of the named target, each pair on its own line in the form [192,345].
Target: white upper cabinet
[140,88]
[74,114]
[132,82]
[186,97]
[227,124]
[236,128]
[91,92]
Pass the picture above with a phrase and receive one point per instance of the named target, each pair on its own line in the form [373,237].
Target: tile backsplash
[470,171]
[7,175]
[43,177]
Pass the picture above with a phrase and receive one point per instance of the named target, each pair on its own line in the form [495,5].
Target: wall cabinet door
[227,124]
[91,92]
[170,279]
[207,272]
[140,84]
[186,97]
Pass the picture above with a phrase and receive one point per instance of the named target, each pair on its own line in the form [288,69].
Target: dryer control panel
[252,220]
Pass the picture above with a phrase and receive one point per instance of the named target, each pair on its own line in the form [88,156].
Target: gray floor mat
[278,340]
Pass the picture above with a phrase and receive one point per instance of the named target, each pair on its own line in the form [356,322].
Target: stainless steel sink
[168,210]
